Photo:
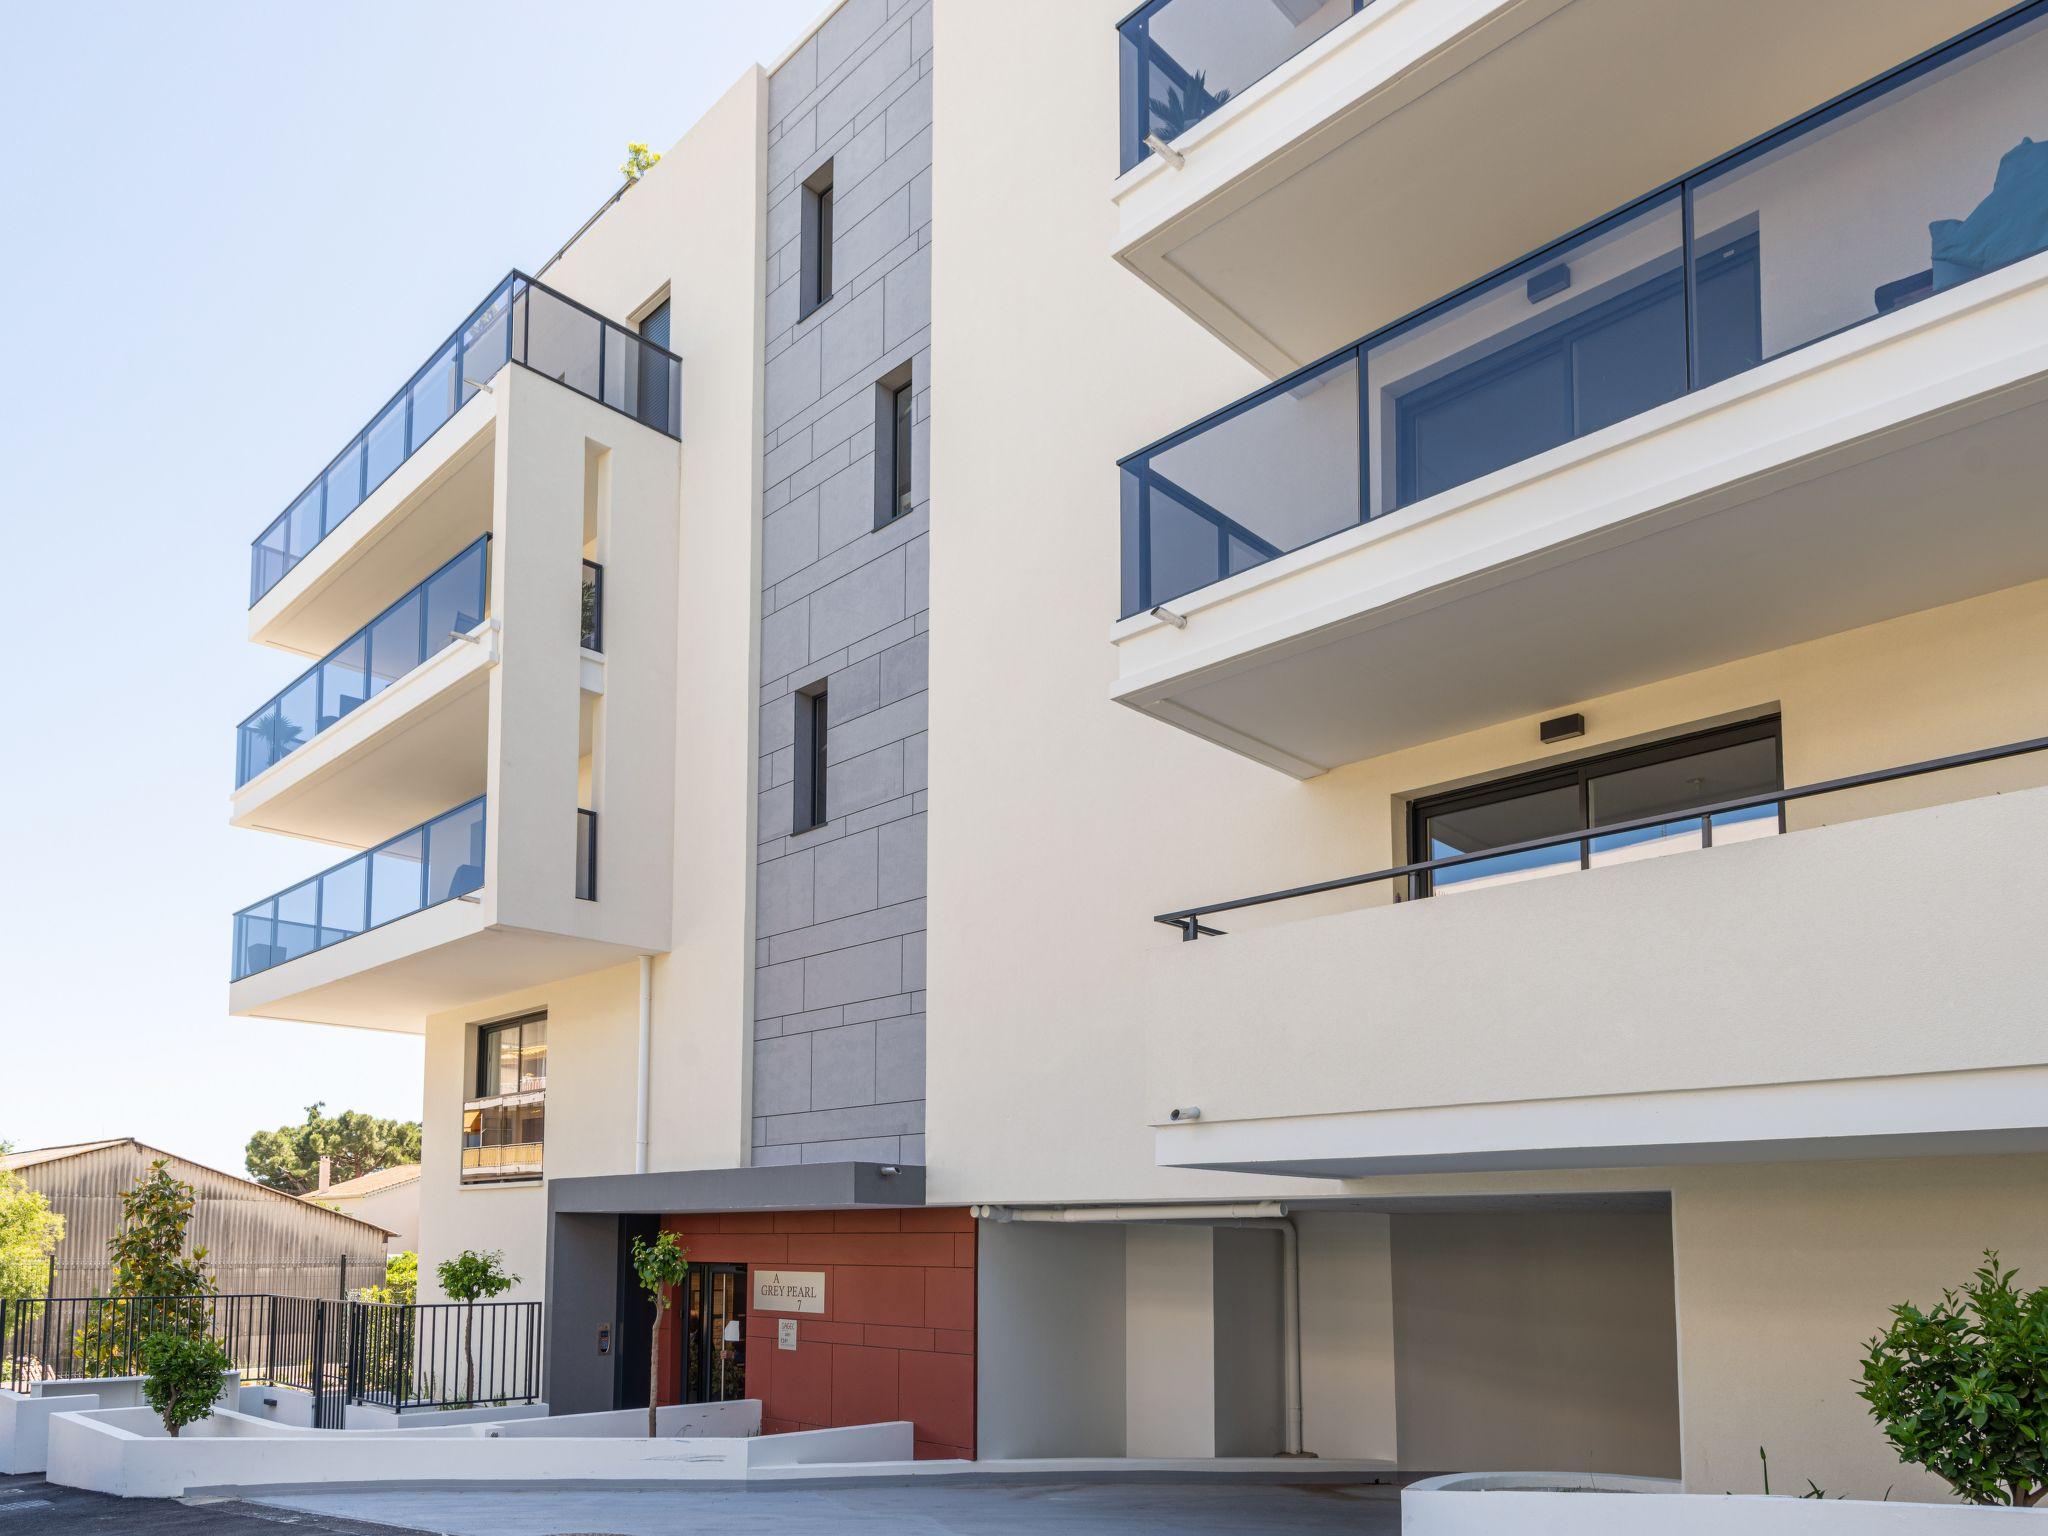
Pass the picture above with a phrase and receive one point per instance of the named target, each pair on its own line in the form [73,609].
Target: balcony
[1761,998]
[521,322]
[1633,410]
[442,860]
[1334,166]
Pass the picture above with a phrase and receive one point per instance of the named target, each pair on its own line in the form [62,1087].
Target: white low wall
[126,1452]
[1530,1504]
[292,1407]
[25,1416]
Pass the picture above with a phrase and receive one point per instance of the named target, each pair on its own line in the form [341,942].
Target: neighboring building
[1456,532]
[256,1239]
[388,1198]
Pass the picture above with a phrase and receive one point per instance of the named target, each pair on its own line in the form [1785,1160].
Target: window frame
[480,1102]
[1580,772]
[815,229]
[810,807]
[895,457]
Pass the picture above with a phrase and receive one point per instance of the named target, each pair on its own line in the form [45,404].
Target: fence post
[343,1292]
[270,1345]
[318,1374]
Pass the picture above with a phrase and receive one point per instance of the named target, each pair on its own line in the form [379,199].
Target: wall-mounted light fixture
[1561,728]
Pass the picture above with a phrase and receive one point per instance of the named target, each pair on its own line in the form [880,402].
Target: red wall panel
[896,1340]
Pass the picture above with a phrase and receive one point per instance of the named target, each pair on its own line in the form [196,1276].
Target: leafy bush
[471,1277]
[183,1376]
[1962,1388]
[157,1285]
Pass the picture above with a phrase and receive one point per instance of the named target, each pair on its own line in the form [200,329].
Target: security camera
[1188,1113]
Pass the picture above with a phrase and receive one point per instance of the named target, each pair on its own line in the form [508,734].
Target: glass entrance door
[715,1334]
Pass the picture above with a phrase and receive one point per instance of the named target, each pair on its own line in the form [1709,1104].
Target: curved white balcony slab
[1889,468]
[1868,988]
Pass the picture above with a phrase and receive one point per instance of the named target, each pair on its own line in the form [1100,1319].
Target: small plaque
[789,1290]
[785,1333]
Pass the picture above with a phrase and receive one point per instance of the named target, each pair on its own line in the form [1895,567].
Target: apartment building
[1478,593]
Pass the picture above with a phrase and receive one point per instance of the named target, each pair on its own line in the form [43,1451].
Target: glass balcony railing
[522,322]
[420,625]
[432,863]
[1182,59]
[1919,181]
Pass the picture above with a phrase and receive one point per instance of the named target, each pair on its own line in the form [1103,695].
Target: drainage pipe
[646,1036]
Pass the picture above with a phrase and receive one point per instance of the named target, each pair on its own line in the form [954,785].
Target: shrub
[183,1376]
[1962,1388]
[471,1277]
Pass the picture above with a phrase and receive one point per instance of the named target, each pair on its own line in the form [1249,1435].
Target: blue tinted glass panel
[1543,812]
[395,871]
[455,853]
[345,679]
[256,939]
[298,927]
[384,448]
[344,486]
[454,598]
[395,643]
[344,900]
[1584,336]
[561,342]
[298,715]
[303,527]
[433,396]
[1905,193]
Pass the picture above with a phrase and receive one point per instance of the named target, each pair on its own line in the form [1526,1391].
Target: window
[1666,781]
[504,1121]
[895,428]
[809,790]
[815,257]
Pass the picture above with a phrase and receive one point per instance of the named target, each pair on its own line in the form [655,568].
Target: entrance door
[715,1334]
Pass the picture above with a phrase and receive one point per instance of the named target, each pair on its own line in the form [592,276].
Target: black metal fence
[391,1355]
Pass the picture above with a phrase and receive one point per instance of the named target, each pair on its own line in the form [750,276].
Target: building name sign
[789,1290]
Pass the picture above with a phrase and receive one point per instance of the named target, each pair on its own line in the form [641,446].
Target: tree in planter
[182,1379]
[163,1288]
[1962,1388]
[661,1265]
[471,1277]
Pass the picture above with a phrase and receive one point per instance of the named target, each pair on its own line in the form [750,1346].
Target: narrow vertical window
[809,786]
[905,407]
[815,254]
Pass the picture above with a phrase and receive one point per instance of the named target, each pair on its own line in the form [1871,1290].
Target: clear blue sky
[227,233]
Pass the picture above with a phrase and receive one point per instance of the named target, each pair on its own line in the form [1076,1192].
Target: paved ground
[28,1504]
[982,1509]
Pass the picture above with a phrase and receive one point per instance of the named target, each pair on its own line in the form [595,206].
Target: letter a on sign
[789,1290]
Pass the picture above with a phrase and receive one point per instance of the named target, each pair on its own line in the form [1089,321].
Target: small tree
[29,1233]
[471,1277]
[639,161]
[162,1287]
[661,1265]
[1962,1388]
[183,1376]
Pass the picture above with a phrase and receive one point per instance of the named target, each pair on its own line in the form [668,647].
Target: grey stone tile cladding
[839,1023]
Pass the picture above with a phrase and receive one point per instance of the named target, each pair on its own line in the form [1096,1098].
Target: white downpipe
[1268,1215]
[646,1038]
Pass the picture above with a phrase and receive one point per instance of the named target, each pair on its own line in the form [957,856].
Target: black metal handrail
[1189,919]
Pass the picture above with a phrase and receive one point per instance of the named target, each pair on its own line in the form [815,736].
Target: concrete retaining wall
[25,1416]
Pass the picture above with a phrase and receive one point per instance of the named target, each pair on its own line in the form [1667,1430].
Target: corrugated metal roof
[257,1239]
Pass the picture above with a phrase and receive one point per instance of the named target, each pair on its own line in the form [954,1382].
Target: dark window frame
[810,808]
[895,444]
[484,1033]
[1580,772]
[814,259]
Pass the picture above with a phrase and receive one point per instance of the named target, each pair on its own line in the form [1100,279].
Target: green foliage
[401,1280]
[29,1234]
[473,1276]
[354,1143]
[182,1377]
[639,161]
[158,1286]
[659,1265]
[1962,1388]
